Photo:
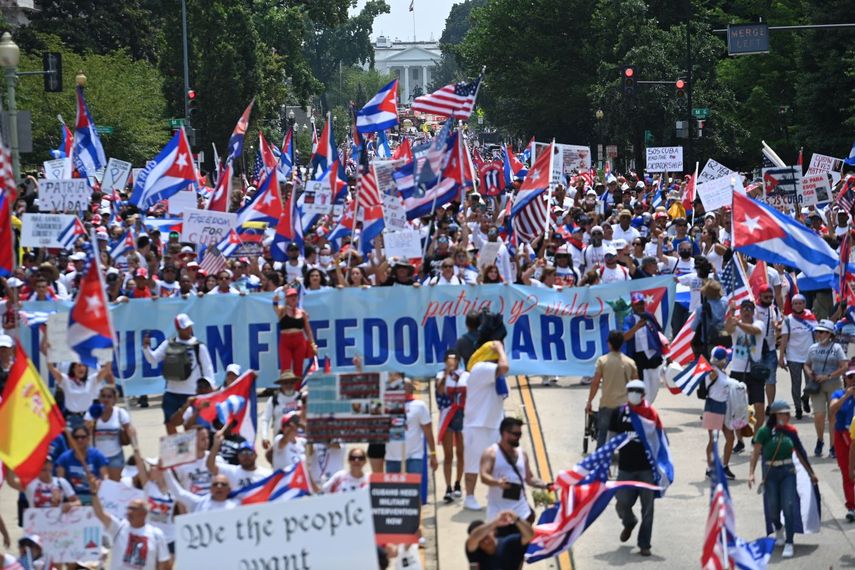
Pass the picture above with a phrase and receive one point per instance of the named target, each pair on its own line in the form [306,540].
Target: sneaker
[850,516]
[644,552]
[806,403]
[788,551]
[449,496]
[457,494]
[779,536]
[709,473]
[817,451]
[586,380]
[627,532]
[470,503]
[831,453]
[739,447]
[553,381]
[143,401]
[799,414]
[728,473]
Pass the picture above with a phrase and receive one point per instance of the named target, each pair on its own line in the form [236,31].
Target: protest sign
[816,189]
[782,187]
[57,338]
[67,195]
[135,174]
[68,537]
[820,163]
[178,448]
[394,213]
[404,243]
[718,192]
[206,227]
[115,496]
[42,230]
[391,328]
[488,253]
[713,170]
[568,158]
[116,175]
[57,169]
[182,201]
[396,504]
[611,151]
[664,159]
[383,170]
[326,531]
[317,198]
[356,408]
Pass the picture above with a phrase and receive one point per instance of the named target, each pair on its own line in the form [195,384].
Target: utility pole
[689,156]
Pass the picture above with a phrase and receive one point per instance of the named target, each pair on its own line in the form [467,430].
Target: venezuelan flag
[29,419]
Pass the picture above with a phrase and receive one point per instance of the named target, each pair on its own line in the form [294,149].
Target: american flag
[213,261]
[584,492]
[846,197]
[529,211]
[454,100]
[734,282]
[680,350]
[368,191]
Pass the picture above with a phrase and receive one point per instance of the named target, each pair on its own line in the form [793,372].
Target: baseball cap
[6,341]
[292,416]
[77,256]
[245,446]
[183,321]
[31,538]
[636,297]
[234,369]
[291,292]
[636,385]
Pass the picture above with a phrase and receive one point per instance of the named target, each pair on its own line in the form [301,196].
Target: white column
[424,79]
[407,83]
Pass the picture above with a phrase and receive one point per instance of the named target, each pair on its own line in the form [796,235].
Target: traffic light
[680,86]
[192,106]
[52,65]
[628,80]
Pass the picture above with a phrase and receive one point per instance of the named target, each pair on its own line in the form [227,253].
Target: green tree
[456,26]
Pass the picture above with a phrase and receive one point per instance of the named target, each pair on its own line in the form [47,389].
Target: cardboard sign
[713,170]
[42,230]
[69,537]
[383,170]
[405,244]
[820,163]
[718,193]
[182,201]
[396,505]
[782,187]
[206,227]
[816,189]
[326,531]
[317,198]
[664,159]
[178,448]
[116,175]
[394,213]
[574,157]
[66,195]
[115,497]
[488,253]
[57,169]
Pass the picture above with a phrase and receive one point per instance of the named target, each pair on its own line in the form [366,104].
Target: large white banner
[327,531]
[42,230]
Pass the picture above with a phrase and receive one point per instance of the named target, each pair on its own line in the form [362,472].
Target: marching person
[718,389]
[486,550]
[352,478]
[776,442]
[842,409]
[796,339]
[823,367]
[409,458]
[284,400]
[747,343]
[295,334]
[185,360]
[110,429]
[641,335]
[451,401]
[613,371]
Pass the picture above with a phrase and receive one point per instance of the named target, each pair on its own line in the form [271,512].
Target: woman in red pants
[295,335]
[842,410]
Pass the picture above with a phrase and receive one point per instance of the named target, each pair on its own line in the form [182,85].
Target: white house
[412,62]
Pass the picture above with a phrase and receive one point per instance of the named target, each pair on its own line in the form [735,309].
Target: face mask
[289,391]
[634,398]
[326,259]
[685,254]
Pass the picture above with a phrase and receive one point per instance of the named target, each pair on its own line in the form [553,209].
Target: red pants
[842,442]
[293,351]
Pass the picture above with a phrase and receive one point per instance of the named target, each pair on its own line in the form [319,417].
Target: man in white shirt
[243,474]
[196,358]
[418,425]
[224,284]
[623,229]
[136,544]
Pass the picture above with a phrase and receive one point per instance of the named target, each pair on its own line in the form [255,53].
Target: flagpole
[726,557]
[694,192]
[549,191]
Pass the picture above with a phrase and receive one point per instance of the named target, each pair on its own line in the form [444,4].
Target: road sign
[176,123]
[746,39]
[701,112]
[103,130]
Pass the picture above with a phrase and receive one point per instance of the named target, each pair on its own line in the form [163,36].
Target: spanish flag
[29,419]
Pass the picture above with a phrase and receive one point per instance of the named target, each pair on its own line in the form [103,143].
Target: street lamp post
[10,55]
[599,115]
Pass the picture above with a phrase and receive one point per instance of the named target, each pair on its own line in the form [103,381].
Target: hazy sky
[430,19]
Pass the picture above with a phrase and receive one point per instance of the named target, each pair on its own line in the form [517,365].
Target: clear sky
[430,18]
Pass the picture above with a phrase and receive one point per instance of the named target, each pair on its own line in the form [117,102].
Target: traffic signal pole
[186,61]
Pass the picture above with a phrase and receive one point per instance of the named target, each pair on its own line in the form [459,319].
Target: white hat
[824,325]
[77,256]
[182,321]
[34,538]
[596,229]
[639,184]
[591,192]
[234,369]
[6,341]
[610,251]
[636,384]
[14,282]
[187,249]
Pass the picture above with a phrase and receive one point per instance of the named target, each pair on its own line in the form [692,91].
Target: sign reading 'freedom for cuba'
[391,328]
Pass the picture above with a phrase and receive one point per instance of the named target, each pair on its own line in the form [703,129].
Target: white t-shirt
[39,493]
[195,476]
[743,344]
[240,477]
[799,340]
[484,407]
[325,461]
[136,548]
[161,510]
[342,482]
[418,416]
[613,274]
[78,397]
[277,406]
[107,432]
[293,452]
[628,234]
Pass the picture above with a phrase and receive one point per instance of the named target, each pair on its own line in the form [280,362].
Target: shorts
[117,461]
[74,420]
[171,404]
[820,401]
[171,547]
[713,421]
[771,360]
[413,465]
[475,441]
[756,390]
[376,450]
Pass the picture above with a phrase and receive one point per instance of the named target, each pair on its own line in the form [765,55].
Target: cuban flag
[66,143]
[658,304]
[850,160]
[404,150]
[266,205]
[89,325]
[164,225]
[7,236]
[285,159]
[762,232]
[88,154]
[343,228]
[281,485]
[583,494]
[325,153]
[289,229]
[529,210]
[373,224]
[648,428]
[221,194]
[381,112]
[230,244]
[70,234]
[231,410]
[123,246]
[691,376]
[511,165]
[421,200]
[171,170]
[235,147]
[243,417]
[383,149]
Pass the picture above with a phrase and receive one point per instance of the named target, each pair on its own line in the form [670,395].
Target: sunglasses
[80,436]
[447,266]
[219,484]
[356,458]
[514,433]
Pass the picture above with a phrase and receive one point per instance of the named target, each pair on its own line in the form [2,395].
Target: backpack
[703,390]
[177,364]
